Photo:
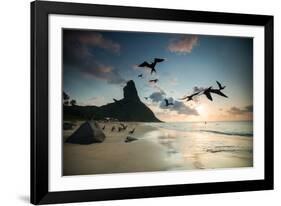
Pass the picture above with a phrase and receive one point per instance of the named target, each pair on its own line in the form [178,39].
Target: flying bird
[168,103]
[190,97]
[218,92]
[151,65]
[124,127]
[220,86]
[140,75]
[153,80]
[207,92]
[132,131]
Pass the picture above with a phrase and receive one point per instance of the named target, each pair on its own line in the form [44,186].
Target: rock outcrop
[130,108]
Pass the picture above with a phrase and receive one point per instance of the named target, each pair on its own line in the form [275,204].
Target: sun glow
[201,109]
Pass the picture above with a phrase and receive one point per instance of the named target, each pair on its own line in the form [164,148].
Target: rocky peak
[130,91]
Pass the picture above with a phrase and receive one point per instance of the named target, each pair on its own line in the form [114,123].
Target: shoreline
[157,149]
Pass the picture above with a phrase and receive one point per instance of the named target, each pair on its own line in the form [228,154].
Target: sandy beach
[156,149]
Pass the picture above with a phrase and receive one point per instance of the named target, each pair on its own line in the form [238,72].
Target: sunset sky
[97,64]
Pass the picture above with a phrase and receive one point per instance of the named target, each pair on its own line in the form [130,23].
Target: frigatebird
[113,128]
[168,103]
[190,97]
[218,92]
[220,86]
[208,92]
[151,65]
[124,127]
[153,80]
[132,131]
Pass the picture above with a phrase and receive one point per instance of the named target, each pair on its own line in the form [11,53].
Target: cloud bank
[240,111]
[179,107]
[77,54]
[95,39]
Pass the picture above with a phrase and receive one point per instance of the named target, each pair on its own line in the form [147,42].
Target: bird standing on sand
[120,129]
[151,65]
[190,97]
[113,128]
[124,127]
[132,131]
[168,103]
[153,80]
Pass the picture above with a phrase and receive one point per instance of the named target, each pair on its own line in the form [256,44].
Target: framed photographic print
[133,102]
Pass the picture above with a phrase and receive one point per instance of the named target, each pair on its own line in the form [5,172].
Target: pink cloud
[183,44]
[97,39]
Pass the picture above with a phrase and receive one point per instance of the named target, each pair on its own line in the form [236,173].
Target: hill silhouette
[130,109]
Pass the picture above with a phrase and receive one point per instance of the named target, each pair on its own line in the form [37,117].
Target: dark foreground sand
[155,150]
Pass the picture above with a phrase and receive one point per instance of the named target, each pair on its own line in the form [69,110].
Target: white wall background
[14,102]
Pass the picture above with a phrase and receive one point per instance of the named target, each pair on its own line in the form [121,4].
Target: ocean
[231,128]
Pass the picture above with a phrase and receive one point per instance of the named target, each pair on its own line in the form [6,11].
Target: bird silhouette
[153,80]
[124,127]
[151,65]
[120,129]
[140,75]
[207,92]
[103,127]
[113,128]
[190,97]
[132,131]
[168,103]
[218,92]
[220,86]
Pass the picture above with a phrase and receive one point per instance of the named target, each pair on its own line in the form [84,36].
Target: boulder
[130,139]
[87,133]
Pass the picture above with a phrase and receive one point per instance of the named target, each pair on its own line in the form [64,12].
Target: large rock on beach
[88,133]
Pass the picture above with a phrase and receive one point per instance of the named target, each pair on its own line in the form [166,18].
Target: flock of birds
[207,92]
[122,127]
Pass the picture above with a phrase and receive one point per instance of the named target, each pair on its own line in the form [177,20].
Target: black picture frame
[40,108]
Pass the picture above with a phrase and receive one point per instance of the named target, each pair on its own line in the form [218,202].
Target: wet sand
[155,150]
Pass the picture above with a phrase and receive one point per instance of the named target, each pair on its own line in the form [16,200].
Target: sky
[97,65]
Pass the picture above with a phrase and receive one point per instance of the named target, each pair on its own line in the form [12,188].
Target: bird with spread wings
[151,65]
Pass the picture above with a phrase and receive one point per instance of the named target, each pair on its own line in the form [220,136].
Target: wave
[228,133]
